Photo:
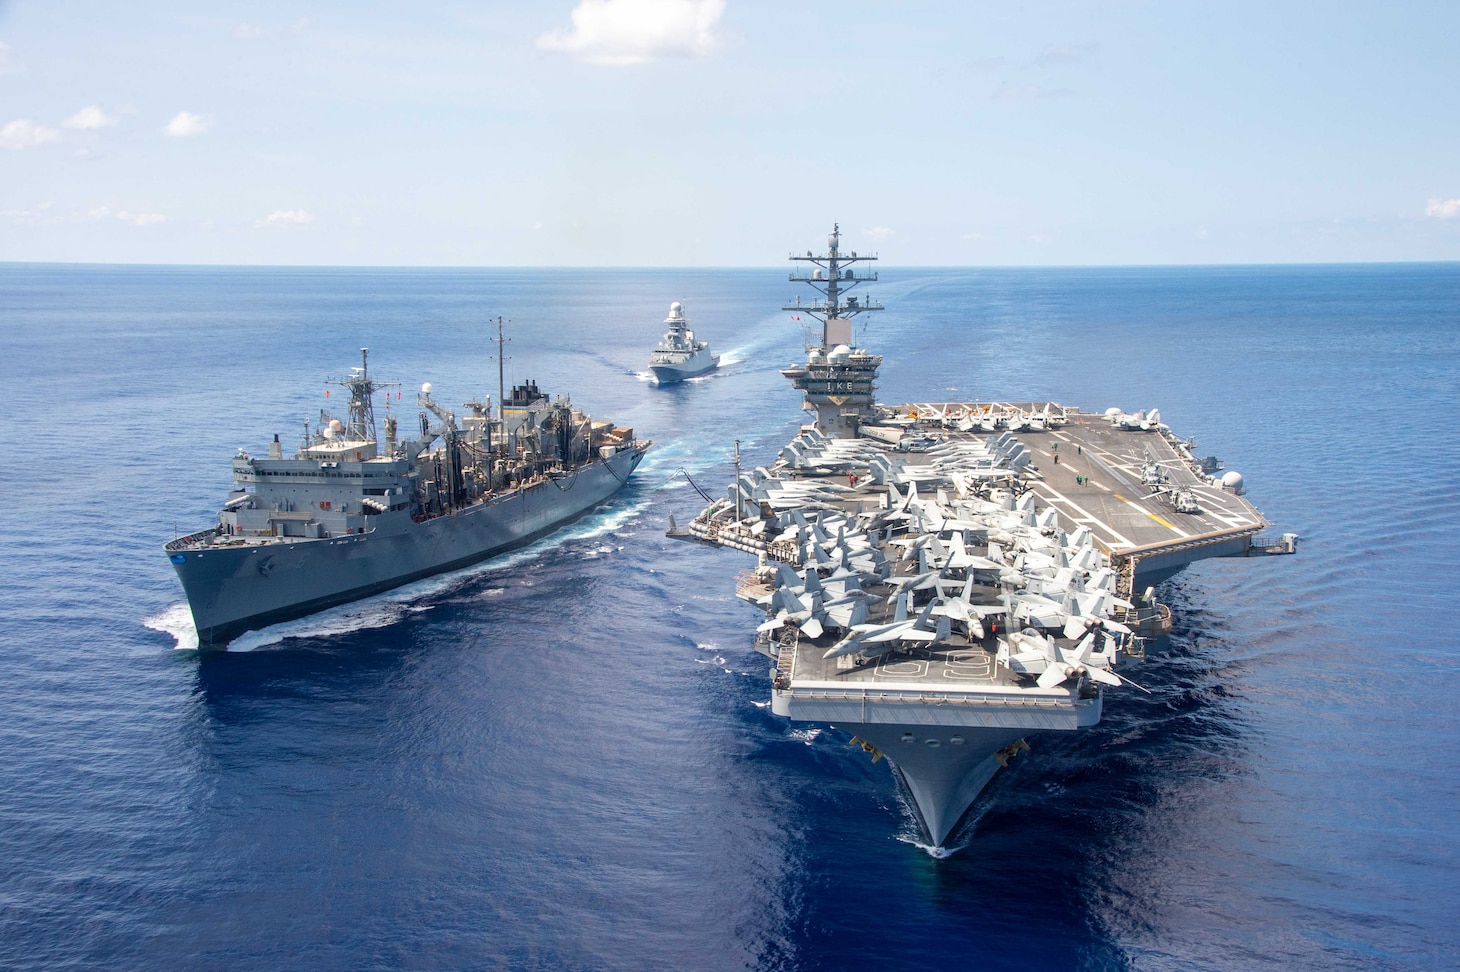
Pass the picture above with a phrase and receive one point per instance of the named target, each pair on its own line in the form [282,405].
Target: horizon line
[747,266]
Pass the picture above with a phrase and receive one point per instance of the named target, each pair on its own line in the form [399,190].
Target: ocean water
[565,760]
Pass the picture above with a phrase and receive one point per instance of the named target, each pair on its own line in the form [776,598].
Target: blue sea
[564,759]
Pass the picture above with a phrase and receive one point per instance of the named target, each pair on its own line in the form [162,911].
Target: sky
[728,132]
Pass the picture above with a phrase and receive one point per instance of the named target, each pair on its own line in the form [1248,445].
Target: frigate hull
[692,367]
[236,588]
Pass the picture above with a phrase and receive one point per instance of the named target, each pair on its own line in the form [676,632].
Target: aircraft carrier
[942,579]
[344,518]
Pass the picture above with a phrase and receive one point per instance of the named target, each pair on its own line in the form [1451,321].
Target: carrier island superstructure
[943,579]
[344,518]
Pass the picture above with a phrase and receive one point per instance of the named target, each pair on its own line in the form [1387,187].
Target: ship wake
[176,621]
[961,838]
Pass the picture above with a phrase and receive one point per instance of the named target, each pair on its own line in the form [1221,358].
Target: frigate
[679,355]
[346,517]
[943,579]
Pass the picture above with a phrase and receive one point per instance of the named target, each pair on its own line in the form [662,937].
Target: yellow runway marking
[1095,522]
[1164,522]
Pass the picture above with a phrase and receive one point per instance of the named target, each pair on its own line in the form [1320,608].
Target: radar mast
[838,379]
[835,273]
[360,423]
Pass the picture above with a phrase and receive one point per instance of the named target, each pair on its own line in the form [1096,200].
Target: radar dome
[335,425]
[1232,479]
[1112,411]
[426,388]
[839,353]
[329,432]
[676,309]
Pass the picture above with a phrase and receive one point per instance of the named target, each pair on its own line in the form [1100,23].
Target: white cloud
[1443,208]
[186,124]
[1029,92]
[285,217]
[135,219]
[248,31]
[42,214]
[24,133]
[972,237]
[87,119]
[880,233]
[619,32]
[140,219]
[1065,54]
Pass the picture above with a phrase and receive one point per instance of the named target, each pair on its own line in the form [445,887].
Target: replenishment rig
[345,518]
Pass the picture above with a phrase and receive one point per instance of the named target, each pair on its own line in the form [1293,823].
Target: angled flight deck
[942,579]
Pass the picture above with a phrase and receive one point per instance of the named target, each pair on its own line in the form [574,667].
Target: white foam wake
[965,834]
[178,622]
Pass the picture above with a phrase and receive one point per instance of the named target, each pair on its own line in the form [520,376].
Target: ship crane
[338,521]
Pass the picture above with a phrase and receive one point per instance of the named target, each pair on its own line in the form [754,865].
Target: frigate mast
[360,422]
[837,379]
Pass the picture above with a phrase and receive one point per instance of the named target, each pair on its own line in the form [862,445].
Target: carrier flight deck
[941,579]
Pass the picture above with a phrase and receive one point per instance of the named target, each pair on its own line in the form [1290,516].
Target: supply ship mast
[838,380]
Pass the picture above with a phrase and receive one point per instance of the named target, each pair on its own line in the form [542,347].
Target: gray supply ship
[345,518]
[679,355]
[943,579]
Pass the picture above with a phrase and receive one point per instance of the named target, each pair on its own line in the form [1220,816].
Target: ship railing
[748,582]
[1188,543]
[192,539]
[1285,544]
[1148,621]
[784,551]
[1126,558]
[923,697]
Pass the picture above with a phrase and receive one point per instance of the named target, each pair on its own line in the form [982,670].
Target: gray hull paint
[1152,570]
[944,781]
[236,589]
[669,374]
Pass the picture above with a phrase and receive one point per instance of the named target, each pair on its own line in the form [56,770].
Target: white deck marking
[1087,517]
